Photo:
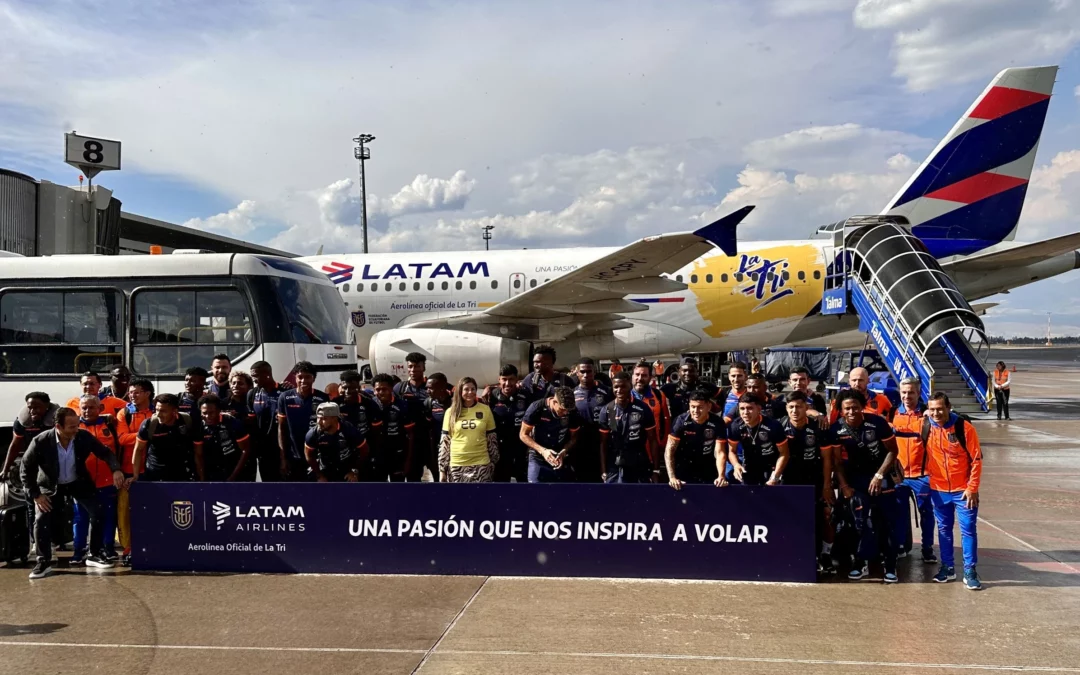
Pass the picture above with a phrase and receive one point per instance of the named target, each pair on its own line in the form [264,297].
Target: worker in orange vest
[1002,381]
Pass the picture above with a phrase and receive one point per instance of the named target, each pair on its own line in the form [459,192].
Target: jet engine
[452,352]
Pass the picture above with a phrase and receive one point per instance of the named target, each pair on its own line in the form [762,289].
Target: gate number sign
[91,155]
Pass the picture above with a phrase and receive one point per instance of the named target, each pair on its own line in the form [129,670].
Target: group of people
[863,459]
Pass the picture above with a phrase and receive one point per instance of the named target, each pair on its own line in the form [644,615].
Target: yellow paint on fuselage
[777,284]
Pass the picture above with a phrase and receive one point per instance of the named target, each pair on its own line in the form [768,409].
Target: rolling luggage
[14,534]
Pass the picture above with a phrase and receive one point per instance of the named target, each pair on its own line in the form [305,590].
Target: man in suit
[54,467]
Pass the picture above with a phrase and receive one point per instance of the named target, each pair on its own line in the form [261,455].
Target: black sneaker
[858,570]
[41,570]
[825,564]
[77,558]
[94,560]
[125,560]
[112,556]
[928,556]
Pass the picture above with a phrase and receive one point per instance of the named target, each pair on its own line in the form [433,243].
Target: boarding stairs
[908,305]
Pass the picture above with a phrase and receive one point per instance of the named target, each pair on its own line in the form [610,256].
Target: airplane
[470,312]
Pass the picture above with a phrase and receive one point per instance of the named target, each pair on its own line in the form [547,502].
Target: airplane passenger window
[431,285]
[345,288]
[802,275]
[786,275]
[723,278]
[472,285]
[445,285]
[708,278]
[693,278]
[517,283]
[359,287]
[754,275]
[817,274]
[416,285]
[678,278]
[738,276]
[401,286]
[457,286]
[494,284]
[532,283]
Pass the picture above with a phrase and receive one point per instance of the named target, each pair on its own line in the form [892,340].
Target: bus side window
[60,332]
[177,329]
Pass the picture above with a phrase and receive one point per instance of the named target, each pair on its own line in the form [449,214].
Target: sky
[562,124]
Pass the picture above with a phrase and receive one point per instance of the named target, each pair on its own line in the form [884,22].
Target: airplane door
[517,284]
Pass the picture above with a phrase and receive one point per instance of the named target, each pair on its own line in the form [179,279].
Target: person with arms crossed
[644,391]
[696,451]
[628,451]
[396,439]
[810,463]
[678,393]
[167,443]
[954,464]
[508,404]
[864,454]
[590,397]
[334,449]
[54,467]
[469,447]
[550,430]
[226,444]
[263,402]
[757,445]
[296,416]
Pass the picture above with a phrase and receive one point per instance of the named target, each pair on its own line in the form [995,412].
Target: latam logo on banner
[627,531]
[338,272]
[834,301]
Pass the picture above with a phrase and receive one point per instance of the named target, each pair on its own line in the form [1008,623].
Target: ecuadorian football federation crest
[359,318]
[183,515]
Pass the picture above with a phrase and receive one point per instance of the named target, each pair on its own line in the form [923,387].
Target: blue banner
[622,531]
[834,301]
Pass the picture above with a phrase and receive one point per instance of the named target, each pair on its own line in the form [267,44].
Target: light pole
[487,236]
[362,153]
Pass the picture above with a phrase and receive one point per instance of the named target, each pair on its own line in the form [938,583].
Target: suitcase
[14,535]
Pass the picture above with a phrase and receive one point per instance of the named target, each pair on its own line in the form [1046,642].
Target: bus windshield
[316,312]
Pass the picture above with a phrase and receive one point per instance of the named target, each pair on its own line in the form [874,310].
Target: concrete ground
[1027,618]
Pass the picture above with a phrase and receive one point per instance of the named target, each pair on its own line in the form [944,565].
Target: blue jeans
[948,507]
[542,472]
[921,489]
[81,524]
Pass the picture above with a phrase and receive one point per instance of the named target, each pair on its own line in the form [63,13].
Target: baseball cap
[328,410]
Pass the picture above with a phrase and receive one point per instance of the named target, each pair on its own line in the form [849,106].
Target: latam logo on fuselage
[407,271]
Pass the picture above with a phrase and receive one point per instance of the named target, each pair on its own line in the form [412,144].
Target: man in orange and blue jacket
[954,464]
[907,421]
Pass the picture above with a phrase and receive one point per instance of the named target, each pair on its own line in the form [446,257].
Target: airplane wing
[1015,256]
[592,298]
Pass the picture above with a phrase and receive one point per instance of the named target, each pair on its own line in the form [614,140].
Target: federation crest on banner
[359,318]
[183,515]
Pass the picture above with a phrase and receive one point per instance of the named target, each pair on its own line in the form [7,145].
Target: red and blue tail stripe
[338,272]
[969,193]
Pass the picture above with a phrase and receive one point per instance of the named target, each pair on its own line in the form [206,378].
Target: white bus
[161,314]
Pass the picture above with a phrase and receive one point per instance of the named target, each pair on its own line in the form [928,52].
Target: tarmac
[1027,619]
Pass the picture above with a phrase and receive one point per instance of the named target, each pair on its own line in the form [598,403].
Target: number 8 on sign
[91,155]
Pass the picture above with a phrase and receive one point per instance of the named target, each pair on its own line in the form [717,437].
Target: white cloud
[840,147]
[425,195]
[235,222]
[942,42]
[1053,202]
[799,8]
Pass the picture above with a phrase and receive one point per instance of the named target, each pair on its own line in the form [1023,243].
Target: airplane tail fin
[969,192]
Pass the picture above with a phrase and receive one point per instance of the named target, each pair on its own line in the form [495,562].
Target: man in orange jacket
[128,423]
[876,404]
[954,464]
[91,384]
[103,428]
[907,422]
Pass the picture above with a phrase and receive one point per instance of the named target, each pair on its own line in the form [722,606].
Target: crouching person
[54,467]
